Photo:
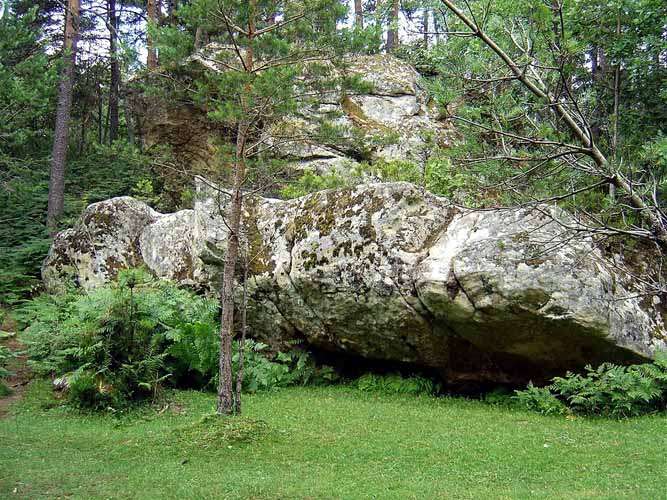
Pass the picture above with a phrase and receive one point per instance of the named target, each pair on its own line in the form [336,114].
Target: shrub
[608,390]
[396,384]
[294,367]
[111,344]
[541,400]
[123,342]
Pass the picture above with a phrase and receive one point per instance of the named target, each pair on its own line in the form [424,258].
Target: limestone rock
[390,272]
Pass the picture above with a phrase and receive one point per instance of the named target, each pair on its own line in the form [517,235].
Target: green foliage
[396,384]
[196,345]
[608,390]
[104,172]
[111,344]
[6,355]
[310,182]
[284,369]
[470,82]
[122,342]
[541,400]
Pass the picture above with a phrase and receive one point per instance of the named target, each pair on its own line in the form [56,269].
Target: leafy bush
[285,368]
[124,341]
[608,390]
[396,384]
[111,343]
[6,354]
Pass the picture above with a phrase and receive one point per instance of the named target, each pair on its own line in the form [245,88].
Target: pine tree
[61,133]
[269,44]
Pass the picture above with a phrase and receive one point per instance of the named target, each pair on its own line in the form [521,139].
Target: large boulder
[390,272]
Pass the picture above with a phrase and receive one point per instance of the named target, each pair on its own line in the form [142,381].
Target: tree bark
[358,14]
[425,27]
[114,84]
[152,10]
[63,112]
[100,114]
[244,331]
[392,33]
[225,391]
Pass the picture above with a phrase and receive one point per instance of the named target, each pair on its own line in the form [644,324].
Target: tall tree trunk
[100,114]
[152,10]
[392,33]
[425,27]
[225,391]
[114,84]
[617,98]
[358,14]
[597,71]
[63,111]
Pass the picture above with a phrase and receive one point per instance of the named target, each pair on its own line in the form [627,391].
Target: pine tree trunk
[200,35]
[244,331]
[114,84]
[392,33]
[63,111]
[425,27]
[225,391]
[152,9]
[225,395]
[358,14]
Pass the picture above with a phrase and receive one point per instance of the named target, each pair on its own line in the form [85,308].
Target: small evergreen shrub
[608,390]
[396,384]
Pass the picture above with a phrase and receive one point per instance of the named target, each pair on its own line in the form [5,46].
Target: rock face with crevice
[389,272]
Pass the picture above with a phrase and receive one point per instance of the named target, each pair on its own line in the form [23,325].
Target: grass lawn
[333,443]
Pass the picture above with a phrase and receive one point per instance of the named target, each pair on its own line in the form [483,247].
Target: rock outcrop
[390,272]
[394,119]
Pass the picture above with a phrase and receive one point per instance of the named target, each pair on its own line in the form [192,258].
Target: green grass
[331,443]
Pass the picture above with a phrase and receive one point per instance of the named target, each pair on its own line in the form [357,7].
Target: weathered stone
[390,272]
[393,120]
[104,240]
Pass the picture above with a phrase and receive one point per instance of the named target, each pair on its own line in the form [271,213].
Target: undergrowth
[125,341]
[608,390]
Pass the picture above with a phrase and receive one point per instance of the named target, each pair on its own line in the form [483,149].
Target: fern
[608,390]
